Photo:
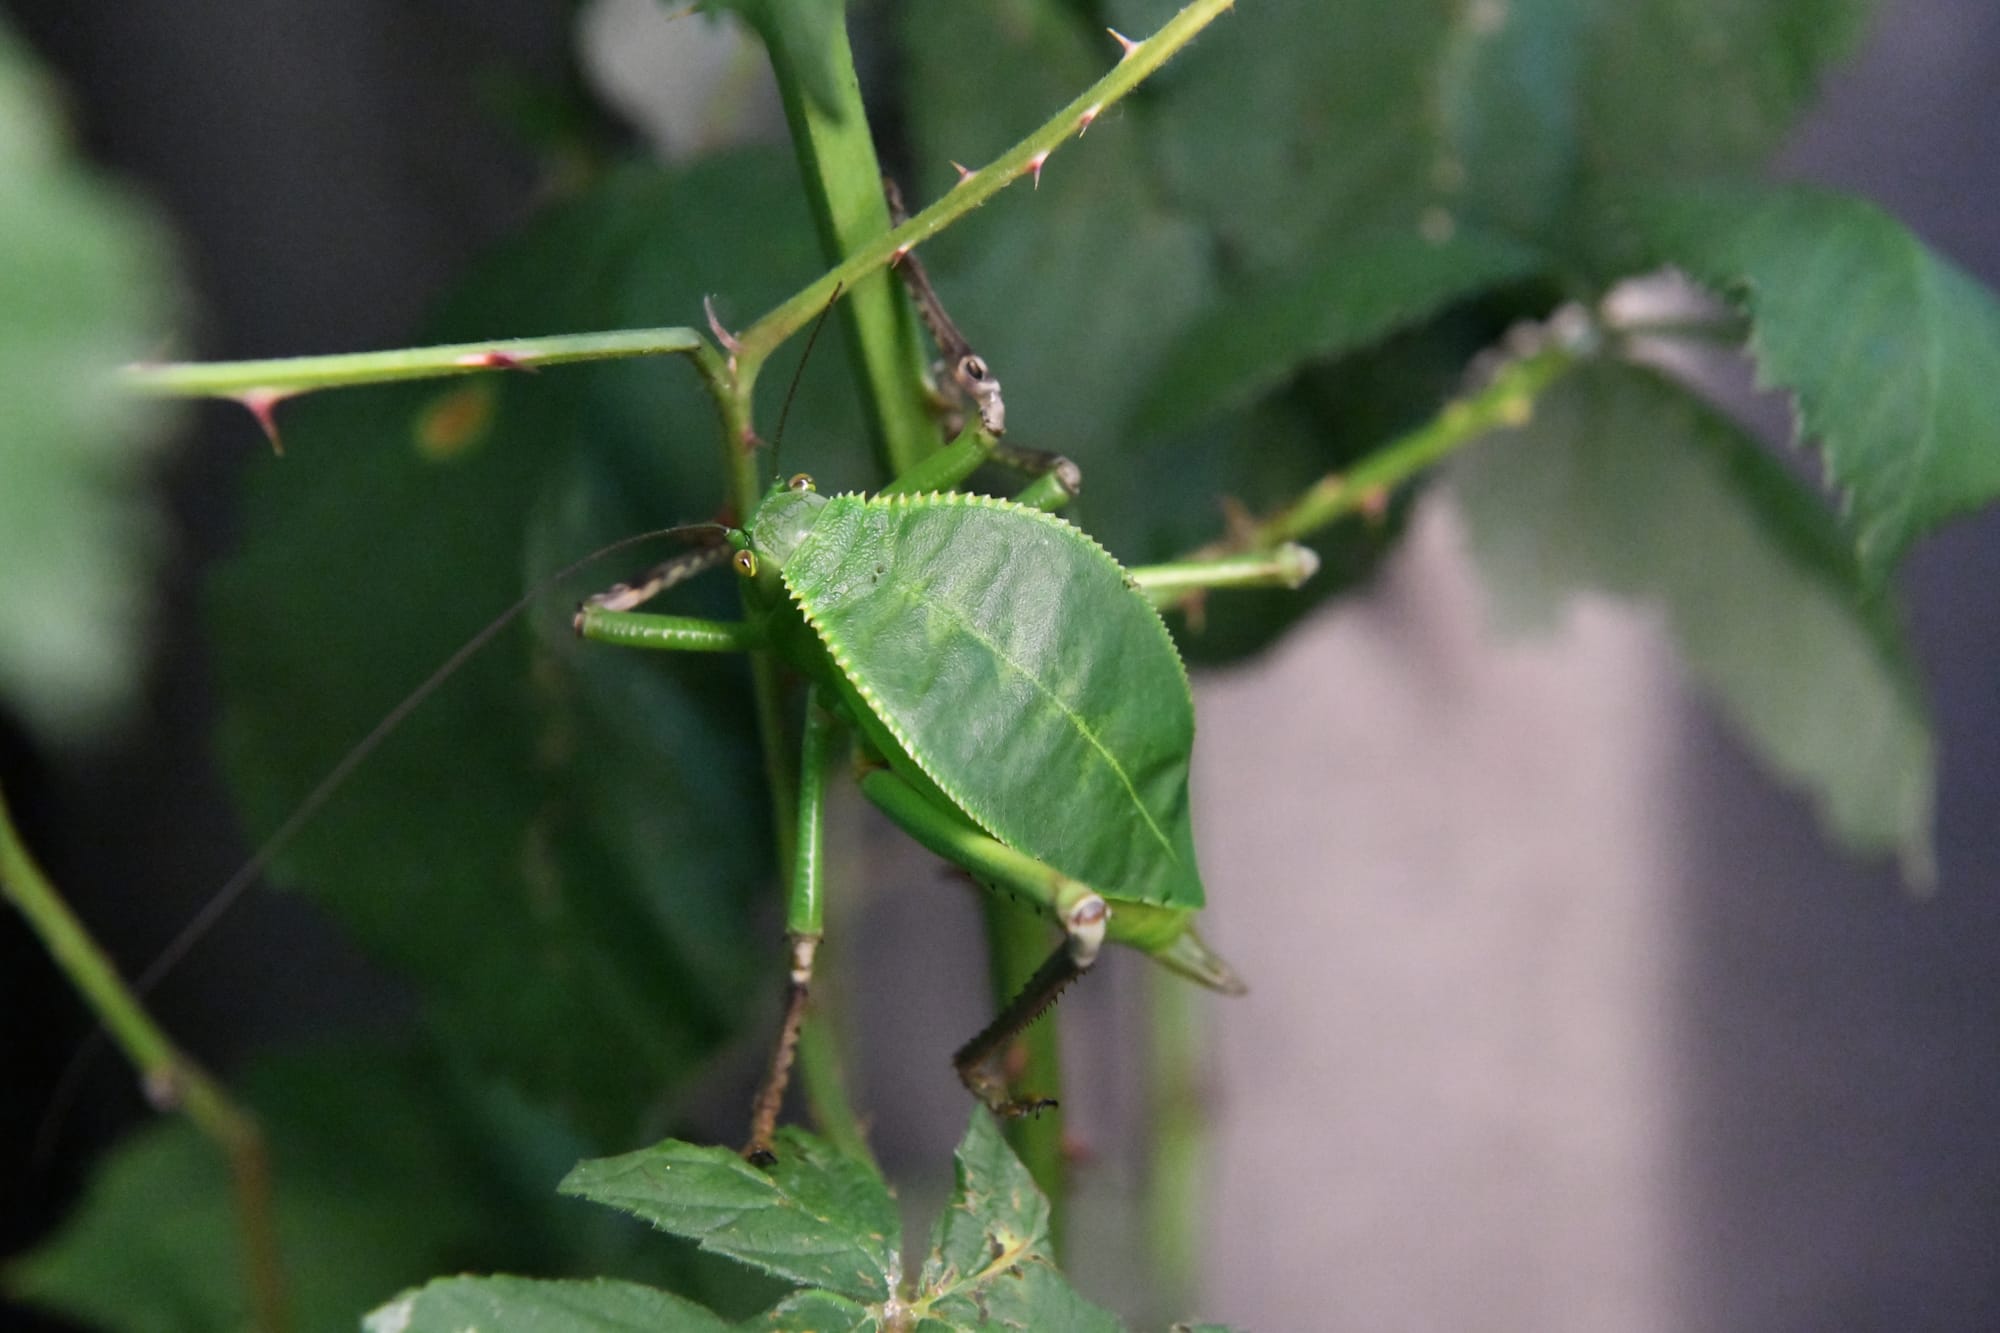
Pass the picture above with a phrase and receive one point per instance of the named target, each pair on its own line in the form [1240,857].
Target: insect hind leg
[1080,910]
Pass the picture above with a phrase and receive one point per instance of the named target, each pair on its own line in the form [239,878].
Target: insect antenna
[324,790]
[792,391]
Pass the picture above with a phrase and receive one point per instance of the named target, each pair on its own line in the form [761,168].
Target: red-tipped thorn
[965,173]
[722,335]
[1090,116]
[263,405]
[898,255]
[495,361]
[1035,164]
[1124,41]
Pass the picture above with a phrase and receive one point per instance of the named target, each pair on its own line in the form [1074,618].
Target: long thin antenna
[778,435]
[281,837]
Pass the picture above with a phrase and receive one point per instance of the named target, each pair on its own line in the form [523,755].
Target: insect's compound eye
[746,564]
[974,368]
[801,482]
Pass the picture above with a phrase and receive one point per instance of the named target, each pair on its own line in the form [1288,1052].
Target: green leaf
[1351,295]
[386,1170]
[989,1266]
[1297,119]
[523,1305]
[85,287]
[819,1218]
[1625,484]
[562,846]
[815,1312]
[1892,352]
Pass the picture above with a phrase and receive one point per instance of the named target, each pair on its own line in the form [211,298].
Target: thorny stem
[1026,158]
[1507,399]
[170,1076]
[284,377]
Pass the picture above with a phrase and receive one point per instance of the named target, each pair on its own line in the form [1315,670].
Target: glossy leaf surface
[1892,352]
[1626,484]
[1006,653]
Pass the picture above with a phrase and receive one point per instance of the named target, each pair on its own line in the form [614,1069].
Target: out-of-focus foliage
[85,287]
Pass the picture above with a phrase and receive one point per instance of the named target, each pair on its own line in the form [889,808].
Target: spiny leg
[1078,908]
[804,919]
[675,569]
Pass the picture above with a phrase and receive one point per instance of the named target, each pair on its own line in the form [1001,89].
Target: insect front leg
[1080,910]
[673,570]
[804,920]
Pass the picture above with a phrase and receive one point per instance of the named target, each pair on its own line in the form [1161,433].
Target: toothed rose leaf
[817,1218]
[1626,484]
[1892,353]
[1257,335]
[816,1312]
[85,287]
[525,1305]
[989,1266]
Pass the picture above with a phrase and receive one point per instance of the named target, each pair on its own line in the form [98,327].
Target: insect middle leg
[805,916]
[1080,910]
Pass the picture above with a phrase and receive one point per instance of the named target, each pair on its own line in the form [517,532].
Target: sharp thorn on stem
[965,173]
[898,255]
[1089,118]
[1035,165]
[263,405]
[495,360]
[1125,42]
[715,326]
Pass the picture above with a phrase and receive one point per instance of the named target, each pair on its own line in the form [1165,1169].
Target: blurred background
[1563,1016]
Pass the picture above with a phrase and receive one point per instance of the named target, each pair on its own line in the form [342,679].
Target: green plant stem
[1018,941]
[283,377]
[1287,566]
[1024,158]
[843,184]
[1508,399]
[170,1076]
[1177,1145]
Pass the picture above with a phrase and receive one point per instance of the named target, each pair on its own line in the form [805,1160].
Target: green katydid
[1018,708]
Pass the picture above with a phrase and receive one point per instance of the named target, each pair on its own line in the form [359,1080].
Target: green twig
[843,184]
[170,1076]
[1287,566]
[1177,1101]
[1507,399]
[284,377]
[1025,158]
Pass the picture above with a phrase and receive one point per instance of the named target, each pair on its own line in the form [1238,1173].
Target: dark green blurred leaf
[1893,352]
[387,1171]
[84,288]
[1296,119]
[1627,485]
[562,845]
[818,1218]
[1255,336]
[521,1305]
